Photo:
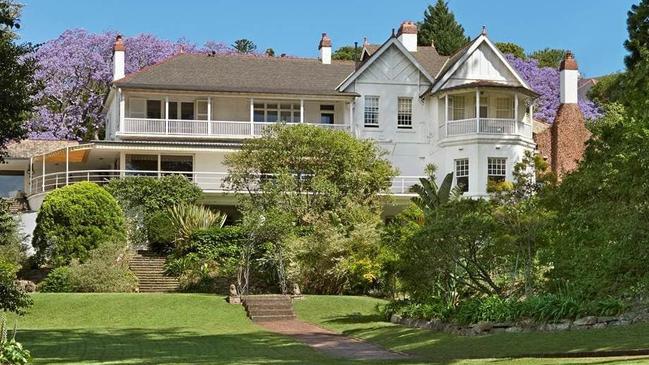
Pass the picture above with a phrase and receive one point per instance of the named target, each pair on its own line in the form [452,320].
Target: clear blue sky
[593,29]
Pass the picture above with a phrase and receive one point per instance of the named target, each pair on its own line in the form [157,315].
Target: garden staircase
[149,270]
[266,308]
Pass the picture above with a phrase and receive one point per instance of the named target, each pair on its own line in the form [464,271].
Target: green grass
[204,329]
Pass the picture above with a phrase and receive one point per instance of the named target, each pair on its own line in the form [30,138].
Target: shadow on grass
[355,318]
[163,346]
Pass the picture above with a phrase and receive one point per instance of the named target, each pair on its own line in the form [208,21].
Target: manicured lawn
[203,329]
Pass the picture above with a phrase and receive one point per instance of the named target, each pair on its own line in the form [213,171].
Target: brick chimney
[568,132]
[118,58]
[325,49]
[407,35]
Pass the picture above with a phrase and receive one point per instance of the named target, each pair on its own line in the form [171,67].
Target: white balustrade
[497,126]
[208,181]
[178,127]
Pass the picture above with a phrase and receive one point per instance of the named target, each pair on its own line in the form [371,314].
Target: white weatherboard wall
[390,77]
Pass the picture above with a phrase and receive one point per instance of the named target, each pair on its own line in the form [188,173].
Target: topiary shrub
[160,232]
[74,220]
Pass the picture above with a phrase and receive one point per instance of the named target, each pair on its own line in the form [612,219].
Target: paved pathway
[331,343]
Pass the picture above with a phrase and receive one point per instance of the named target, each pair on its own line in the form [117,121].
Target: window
[177,164]
[273,112]
[201,109]
[496,169]
[326,114]
[139,163]
[137,107]
[173,110]
[11,182]
[371,111]
[484,107]
[457,107]
[462,174]
[504,108]
[404,113]
[187,111]
[154,109]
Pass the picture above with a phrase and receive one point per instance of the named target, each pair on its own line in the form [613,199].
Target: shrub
[209,254]
[160,232]
[143,197]
[12,299]
[185,219]
[106,270]
[11,247]
[74,220]
[58,280]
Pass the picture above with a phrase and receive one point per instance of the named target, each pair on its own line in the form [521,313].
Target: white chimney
[325,49]
[569,79]
[408,35]
[118,58]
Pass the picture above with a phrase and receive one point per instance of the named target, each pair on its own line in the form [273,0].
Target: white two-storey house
[469,114]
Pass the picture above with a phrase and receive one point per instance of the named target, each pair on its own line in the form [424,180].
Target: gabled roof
[241,73]
[426,59]
[458,58]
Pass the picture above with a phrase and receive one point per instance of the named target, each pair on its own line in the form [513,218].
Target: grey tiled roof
[32,147]
[239,73]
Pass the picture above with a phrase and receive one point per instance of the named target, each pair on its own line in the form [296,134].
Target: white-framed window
[458,106]
[154,109]
[404,113]
[462,174]
[484,107]
[496,169]
[505,108]
[201,109]
[137,108]
[276,112]
[327,114]
[371,117]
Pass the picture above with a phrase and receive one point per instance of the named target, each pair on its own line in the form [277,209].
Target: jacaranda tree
[545,81]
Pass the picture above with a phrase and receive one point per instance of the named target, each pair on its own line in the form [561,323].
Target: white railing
[178,127]
[208,181]
[496,126]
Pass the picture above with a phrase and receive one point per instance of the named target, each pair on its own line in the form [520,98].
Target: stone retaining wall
[484,328]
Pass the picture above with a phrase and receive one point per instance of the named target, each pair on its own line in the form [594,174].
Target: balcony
[486,126]
[204,128]
[209,182]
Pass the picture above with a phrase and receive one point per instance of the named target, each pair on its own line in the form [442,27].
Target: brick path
[331,343]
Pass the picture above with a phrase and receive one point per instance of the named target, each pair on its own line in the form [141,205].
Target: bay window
[496,169]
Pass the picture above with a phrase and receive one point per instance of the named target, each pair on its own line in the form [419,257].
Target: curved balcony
[487,126]
[209,182]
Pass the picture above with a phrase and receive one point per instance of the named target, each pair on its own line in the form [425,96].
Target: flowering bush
[546,82]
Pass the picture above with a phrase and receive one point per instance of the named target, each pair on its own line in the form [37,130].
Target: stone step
[149,269]
[268,318]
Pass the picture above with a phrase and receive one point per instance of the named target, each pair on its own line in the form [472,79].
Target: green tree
[74,220]
[607,89]
[440,28]
[548,57]
[430,196]
[638,28]
[347,53]
[244,46]
[17,85]
[511,48]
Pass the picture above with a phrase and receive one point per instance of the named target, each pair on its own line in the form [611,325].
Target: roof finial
[365,42]
[393,32]
[484,30]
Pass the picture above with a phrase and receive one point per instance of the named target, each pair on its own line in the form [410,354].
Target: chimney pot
[119,44]
[119,63]
[568,62]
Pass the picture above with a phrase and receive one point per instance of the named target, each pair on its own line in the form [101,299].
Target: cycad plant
[430,195]
[188,218]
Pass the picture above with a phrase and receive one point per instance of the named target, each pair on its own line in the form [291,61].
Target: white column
[209,115]
[477,110]
[446,114]
[67,165]
[31,174]
[516,113]
[159,163]
[122,163]
[167,115]
[122,109]
[252,116]
[43,174]
[301,110]
[350,121]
